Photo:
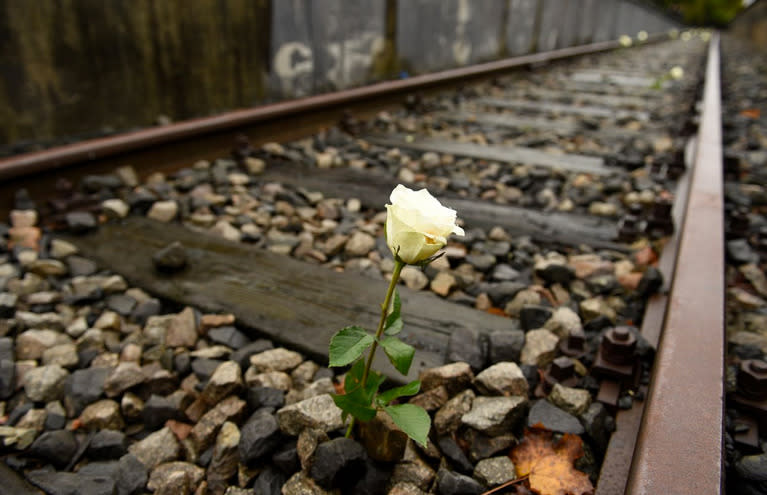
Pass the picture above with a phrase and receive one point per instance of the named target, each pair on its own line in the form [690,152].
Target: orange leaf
[496,311]
[548,466]
[751,113]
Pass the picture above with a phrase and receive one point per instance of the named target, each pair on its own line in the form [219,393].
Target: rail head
[680,446]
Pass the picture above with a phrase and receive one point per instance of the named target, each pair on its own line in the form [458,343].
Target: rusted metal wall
[77,68]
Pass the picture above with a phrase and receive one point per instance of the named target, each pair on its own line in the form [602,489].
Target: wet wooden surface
[504,154]
[563,127]
[292,302]
[372,189]
[563,108]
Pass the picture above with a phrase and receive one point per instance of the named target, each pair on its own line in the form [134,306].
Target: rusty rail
[96,149]
[680,445]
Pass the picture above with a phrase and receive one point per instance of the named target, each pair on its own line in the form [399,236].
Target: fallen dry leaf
[549,466]
[751,113]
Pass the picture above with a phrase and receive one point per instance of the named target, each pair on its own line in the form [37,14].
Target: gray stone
[413,471]
[405,488]
[553,418]
[521,299]
[171,258]
[7,304]
[57,447]
[61,249]
[83,387]
[443,283]
[20,438]
[448,418]
[269,482]
[563,322]
[163,211]
[359,244]
[157,448]
[228,336]
[752,467]
[598,425]
[495,415]
[431,400]
[131,475]
[503,378]
[337,462]
[168,472]
[495,471]
[414,278]
[533,316]
[279,359]
[453,453]
[122,378]
[505,345]
[540,347]
[115,208]
[60,483]
[55,416]
[321,386]
[595,307]
[80,222]
[465,345]
[455,377]
[572,400]
[32,343]
[65,355]
[301,484]
[317,412]
[47,268]
[7,378]
[225,381]
[102,414]
[206,429]
[182,329]
[272,379]
[259,437]
[45,383]
[108,444]
[450,483]
[740,252]
[223,463]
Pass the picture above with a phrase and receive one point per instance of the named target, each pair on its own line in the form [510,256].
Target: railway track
[588,193]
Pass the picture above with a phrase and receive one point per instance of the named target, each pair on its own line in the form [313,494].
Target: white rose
[417,225]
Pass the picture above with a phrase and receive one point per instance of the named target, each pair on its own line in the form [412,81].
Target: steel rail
[95,149]
[680,444]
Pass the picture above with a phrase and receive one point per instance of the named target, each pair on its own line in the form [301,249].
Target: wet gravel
[745,141]
[106,389]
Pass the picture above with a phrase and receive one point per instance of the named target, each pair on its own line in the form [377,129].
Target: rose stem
[398,265]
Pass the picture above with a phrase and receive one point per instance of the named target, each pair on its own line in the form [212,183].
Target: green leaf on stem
[411,419]
[348,344]
[349,404]
[353,383]
[394,319]
[411,388]
[400,354]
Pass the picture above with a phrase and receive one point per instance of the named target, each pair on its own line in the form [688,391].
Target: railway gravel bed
[108,388]
[745,141]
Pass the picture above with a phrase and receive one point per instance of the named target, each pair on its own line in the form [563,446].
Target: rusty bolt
[752,379]
[562,368]
[574,345]
[618,346]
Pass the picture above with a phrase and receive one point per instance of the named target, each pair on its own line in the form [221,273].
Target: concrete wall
[751,25]
[76,68]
